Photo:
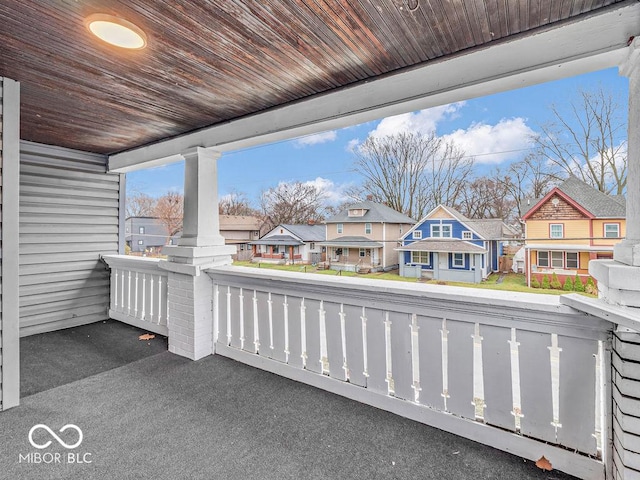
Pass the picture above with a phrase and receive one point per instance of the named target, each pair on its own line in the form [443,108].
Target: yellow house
[571,225]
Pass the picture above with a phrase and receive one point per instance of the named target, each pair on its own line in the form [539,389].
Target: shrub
[568,285]
[545,282]
[578,286]
[590,287]
[555,283]
[534,282]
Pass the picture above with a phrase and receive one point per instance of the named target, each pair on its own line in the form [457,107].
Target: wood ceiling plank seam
[524,14]
[343,45]
[290,45]
[495,24]
[462,13]
[249,69]
[412,54]
[555,11]
[451,17]
[301,45]
[443,34]
[355,33]
[382,49]
[504,18]
[534,13]
[482,16]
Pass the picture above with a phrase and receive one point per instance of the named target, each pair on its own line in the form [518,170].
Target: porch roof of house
[440,245]
[277,240]
[230,75]
[352,242]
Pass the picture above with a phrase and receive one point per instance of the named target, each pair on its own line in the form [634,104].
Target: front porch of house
[549,379]
[165,417]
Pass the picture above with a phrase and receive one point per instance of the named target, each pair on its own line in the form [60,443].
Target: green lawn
[513,282]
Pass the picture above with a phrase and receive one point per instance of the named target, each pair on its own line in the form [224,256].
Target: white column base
[618,284]
[190,309]
[627,252]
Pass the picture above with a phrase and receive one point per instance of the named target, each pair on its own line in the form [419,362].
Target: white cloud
[317,138]
[334,193]
[352,145]
[493,143]
[424,121]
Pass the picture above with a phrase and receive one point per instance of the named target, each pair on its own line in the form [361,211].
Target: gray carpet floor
[166,417]
[52,359]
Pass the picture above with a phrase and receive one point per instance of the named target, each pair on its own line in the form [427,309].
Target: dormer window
[357,212]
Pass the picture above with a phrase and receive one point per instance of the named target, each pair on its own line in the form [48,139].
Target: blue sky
[494,130]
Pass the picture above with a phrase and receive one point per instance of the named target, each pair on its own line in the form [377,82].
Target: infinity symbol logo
[52,433]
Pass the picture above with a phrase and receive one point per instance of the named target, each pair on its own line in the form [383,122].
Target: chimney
[312,222]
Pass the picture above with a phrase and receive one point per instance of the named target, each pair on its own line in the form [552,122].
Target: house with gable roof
[446,245]
[290,244]
[363,237]
[570,226]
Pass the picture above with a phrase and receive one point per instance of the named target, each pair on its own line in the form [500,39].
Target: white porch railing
[138,292]
[519,372]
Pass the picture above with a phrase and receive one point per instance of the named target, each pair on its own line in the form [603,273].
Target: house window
[611,230]
[420,257]
[339,228]
[140,242]
[557,260]
[141,230]
[556,230]
[572,260]
[467,235]
[458,260]
[441,231]
[417,234]
[367,229]
[345,252]
[363,253]
[543,259]
[312,246]
[171,241]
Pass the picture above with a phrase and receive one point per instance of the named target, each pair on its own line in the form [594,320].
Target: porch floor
[166,417]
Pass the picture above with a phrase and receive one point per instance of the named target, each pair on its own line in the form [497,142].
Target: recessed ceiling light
[116,31]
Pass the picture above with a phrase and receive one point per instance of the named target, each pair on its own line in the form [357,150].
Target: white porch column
[190,314]
[619,279]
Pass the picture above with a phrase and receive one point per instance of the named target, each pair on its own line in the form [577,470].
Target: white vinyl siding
[69,211]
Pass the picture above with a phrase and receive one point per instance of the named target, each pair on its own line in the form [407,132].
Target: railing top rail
[134,263]
[535,312]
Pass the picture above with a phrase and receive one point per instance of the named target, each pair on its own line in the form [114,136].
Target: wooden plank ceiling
[209,61]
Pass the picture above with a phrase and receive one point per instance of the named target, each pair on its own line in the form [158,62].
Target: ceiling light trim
[116,31]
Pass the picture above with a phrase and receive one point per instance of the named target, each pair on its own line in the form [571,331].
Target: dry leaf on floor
[544,464]
[146,336]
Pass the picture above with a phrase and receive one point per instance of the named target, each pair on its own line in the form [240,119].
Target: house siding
[70,215]
[598,231]
[561,210]
[577,231]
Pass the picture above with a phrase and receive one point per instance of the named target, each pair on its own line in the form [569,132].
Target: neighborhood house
[570,226]
[290,244]
[363,237]
[446,245]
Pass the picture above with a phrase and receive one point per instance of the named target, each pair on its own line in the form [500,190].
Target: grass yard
[512,282]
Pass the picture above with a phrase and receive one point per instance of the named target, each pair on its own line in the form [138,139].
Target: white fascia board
[591,43]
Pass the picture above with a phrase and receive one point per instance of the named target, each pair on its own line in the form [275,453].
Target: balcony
[518,372]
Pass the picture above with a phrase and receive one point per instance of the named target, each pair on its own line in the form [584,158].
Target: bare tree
[169,211]
[410,172]
[235,203]
[587,141]
[139,204]
[293,202]
[488,197]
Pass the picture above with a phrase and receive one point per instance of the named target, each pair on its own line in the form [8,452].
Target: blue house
[446,245]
